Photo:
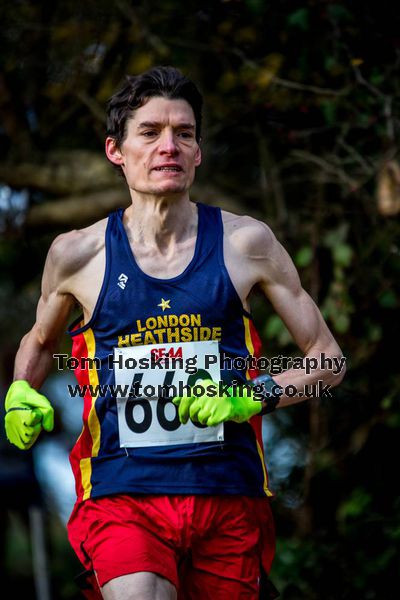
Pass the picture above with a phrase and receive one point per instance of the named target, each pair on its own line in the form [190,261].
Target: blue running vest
[135,310]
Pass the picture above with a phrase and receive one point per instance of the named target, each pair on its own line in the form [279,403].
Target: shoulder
[72,251]
[249,236]
[255,246]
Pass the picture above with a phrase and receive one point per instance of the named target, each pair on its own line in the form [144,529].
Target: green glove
[212,410]
[27,412]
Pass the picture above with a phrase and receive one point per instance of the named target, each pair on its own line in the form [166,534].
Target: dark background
[301,130]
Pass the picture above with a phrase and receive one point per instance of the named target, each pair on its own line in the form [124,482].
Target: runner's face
[160,153]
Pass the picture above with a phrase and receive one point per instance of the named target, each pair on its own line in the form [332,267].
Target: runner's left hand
[211,409]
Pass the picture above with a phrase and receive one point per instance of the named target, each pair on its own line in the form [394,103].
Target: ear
[197,157]
[113,152]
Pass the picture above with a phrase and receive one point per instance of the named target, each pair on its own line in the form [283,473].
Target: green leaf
[374,333]
[354,506]
[274,326]
[393,421]
[256,6]
[339,12]
[377,79]
[388,299]
[328,108]
[299,19]
[304,257]
[334,236]
[342,323]
[329,62]
[342,254]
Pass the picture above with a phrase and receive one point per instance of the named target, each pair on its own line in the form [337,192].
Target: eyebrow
[156,124]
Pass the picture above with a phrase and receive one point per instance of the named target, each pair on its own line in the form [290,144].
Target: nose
[168,143]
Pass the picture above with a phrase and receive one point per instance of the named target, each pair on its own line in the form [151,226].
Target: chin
[171,189]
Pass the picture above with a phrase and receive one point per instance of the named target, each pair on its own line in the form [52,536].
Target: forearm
[309,382]
[34,359]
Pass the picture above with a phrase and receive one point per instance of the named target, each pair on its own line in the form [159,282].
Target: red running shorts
[208,547]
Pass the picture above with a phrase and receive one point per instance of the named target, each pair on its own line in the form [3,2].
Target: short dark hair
[164,81]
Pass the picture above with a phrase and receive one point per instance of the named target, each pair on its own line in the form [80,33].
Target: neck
[160,221]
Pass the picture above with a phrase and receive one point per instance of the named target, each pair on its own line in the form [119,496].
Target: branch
[367,168]
[94,107]
[76,211]
[327,167]
[153,40]
[385,98]
[310,88]
[61,173]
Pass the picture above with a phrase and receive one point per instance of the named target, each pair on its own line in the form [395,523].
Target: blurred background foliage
[301,130]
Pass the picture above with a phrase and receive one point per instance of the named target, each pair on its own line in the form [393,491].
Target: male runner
[172,501]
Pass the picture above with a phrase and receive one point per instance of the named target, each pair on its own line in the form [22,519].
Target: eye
[187,135]
[149,133]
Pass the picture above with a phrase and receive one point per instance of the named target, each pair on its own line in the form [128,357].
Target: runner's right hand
[27,412]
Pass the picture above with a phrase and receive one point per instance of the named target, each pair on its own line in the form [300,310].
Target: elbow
[338,367]
[47,343]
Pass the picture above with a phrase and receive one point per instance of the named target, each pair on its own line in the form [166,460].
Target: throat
[161,228]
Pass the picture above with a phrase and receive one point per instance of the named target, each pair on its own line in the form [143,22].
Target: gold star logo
[164,304]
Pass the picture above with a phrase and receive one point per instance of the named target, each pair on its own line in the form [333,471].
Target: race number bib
[147,417]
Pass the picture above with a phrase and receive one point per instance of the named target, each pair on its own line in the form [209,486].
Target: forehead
[164,111]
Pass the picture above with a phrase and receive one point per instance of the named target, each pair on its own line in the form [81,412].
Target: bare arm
[72,274]
[70,256]
[270,268]
[34,357]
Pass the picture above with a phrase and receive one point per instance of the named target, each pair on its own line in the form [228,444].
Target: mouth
[168,168]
